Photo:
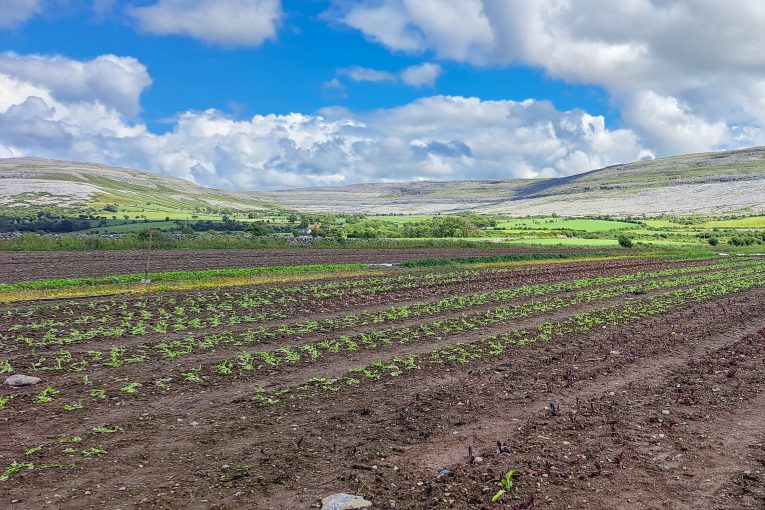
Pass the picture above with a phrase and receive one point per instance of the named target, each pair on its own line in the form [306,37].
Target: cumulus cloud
[233,23]
[691,64]
[16,12]
[438,137]
[111,80]
[416,25]
[670,126]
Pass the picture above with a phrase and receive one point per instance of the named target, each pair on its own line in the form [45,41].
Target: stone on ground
[22,380]
[344,502]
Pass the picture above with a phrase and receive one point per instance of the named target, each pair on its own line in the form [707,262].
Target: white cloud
[415,76]
[422,74]
[111,80]
[416,25]
[670,126]
[437,137]
[365,74]
[225,22]
[697,64]
[15,12]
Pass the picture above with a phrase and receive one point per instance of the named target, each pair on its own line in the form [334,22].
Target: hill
[710,183]
[65,184]
[720,182]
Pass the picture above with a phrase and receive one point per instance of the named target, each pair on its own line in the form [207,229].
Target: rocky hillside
[720,182]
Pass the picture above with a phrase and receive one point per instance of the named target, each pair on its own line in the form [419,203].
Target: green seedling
[506,484]
[96,450]
[105,429]
[98,393]
[5,400]
[131,388]
[225,367]
[5,367]
[13,468]
[33,450]
[46,395]
[163,383]
[192,375]
[73,439]
[261,397]
[73,406]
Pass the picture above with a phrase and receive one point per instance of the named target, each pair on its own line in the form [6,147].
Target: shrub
[625,241]
[259,229]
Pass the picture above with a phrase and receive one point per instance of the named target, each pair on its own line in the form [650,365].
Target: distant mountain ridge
[711,183]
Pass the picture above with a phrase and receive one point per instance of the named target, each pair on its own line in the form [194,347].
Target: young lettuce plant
[46,395]
[131,388]
[5,400]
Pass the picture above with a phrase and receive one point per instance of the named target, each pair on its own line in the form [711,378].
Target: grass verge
[181,285]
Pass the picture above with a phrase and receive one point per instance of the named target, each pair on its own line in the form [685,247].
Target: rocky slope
[720,182]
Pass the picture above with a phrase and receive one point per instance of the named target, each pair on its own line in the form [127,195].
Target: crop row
[120,310]
[443,328]
[183,346]
[502,343]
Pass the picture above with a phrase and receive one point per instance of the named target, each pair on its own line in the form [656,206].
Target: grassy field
[121,228]
[405,218]
[586,225]
[745,223]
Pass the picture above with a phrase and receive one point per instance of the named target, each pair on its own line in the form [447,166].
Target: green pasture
[586,225]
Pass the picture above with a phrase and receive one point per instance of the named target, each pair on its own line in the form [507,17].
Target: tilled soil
[664,412]
[22,266]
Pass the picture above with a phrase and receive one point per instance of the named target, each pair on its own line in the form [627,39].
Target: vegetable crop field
[543,382]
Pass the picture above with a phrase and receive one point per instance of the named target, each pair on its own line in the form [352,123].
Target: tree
[625,241]
[452,226]
[259,229]
[713,241]
[292,218]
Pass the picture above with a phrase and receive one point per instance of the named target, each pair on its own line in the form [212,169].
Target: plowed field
[634,383]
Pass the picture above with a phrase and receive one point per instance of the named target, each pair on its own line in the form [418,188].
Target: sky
[273,94]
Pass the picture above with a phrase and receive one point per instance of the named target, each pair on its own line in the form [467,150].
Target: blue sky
[283,75]
[203,89]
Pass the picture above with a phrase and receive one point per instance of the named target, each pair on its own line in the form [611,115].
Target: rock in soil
[22,380]
[344,502]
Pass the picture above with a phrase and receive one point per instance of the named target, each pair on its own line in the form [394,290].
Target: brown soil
[663,413]
[21,266]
